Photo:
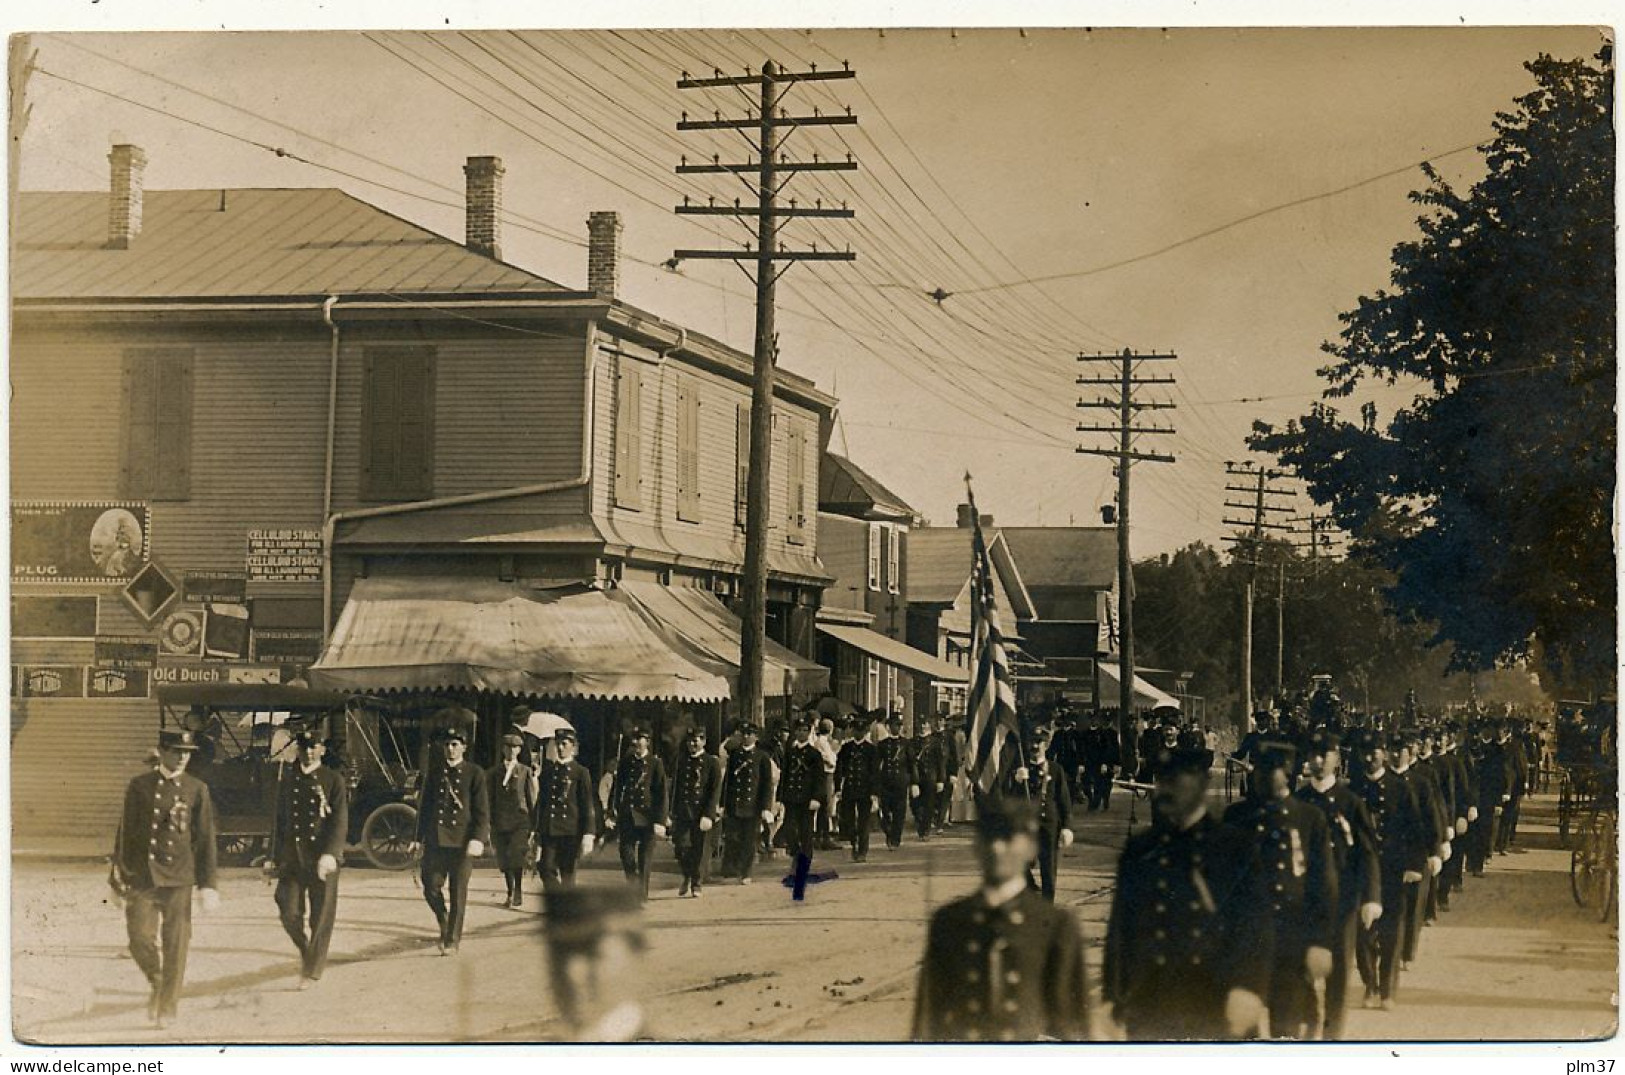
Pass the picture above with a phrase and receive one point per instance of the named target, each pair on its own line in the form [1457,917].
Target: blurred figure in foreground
[595,947]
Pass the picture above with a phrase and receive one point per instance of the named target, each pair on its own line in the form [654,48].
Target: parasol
[544,725]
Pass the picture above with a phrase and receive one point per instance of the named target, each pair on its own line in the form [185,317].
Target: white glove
[874,802]
[609,824]
[1445,852]
[1318,962]
[1472,813]
[326,866]
[211,899]
[587,844]
[1410,877]
[1021,773]
[268,868]
[939,786]
[914,791]
[705,824]
[1435,864]
[813,805]
[475,849]
[1461,826]
[767,817]
[1066,837]
[1506,798]
[1242,1011]
[660,830]
[1369,913]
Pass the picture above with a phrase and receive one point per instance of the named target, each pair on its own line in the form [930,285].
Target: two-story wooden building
[254,428]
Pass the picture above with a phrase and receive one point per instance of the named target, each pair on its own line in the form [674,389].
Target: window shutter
[795,523]
[157,425]
[894,541]
[140,425]
[629,436]
[397,419]
[874,556]
[741,462]
[688,452]
[414,428]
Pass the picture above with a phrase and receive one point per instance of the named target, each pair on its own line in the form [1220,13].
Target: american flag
[991,711]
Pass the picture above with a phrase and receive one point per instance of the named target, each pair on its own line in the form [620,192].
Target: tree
[1490,496]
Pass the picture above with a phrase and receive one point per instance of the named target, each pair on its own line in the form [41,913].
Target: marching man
[307,846]
[454,822]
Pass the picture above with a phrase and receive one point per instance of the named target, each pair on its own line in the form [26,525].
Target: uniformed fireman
[800,785]
[1003,964]
[952,762]
[566,819]
[1466,811]
[1354,854]
[1039,782]
[1188,955]
[930,777]
[695,806]
[1102,754]
[454,823]
[857,783]
[512,785]
[164,848]
[896,780]
[1402,854]
[747,803]
[1293,841]
[638,804]
[307,848]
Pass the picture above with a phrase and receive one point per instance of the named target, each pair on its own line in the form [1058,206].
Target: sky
[1105,163]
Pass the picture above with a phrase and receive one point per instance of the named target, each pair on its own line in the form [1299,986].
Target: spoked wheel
[1582,876]
[240,849]
[388,836]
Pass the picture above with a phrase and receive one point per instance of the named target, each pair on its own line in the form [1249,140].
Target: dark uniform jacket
[803,777]
[1445,778]
[697,787]
[638,797]
[166,837]
[312,819]
[1047,791]
[1299,872]
[1066,750]
[1007,973]
[747,786]
[1430,809]
[1492,769]
[857,770]
[1102,746]
[1402,838]
[1185,929]
[951,760]
[930,766]
[896,764]
[1517,756]
[454,807]
[513,797]
[1466,784]
[565,803]
[1353,843]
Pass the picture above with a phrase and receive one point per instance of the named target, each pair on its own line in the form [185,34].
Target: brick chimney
[966,518]
[124,215]
[604,253]
[484,205]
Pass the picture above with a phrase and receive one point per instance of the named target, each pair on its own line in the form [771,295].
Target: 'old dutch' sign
[284,555]
[76,541]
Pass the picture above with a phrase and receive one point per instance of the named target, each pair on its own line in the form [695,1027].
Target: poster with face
[63,541]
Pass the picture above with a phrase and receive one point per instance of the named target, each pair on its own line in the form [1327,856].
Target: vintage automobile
[245,734]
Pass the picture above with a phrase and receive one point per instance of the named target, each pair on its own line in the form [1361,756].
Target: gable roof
[242,243]
[1078,557]
[844,488]
[938,565]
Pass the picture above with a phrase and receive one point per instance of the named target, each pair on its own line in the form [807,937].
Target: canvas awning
[893,652]
[442,633]
[1146,696]
[702,621]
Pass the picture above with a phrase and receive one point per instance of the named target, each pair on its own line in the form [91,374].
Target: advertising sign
[62,541]
[285,555]
[57,616]
[118,683]
[126,651]
[225,632]
[181,634]
[51,681]
[150,592]
[214,587]
[295,647]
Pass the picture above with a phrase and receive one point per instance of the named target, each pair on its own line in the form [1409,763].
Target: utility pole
[771,127]
[1322,537]
[1250,542]
[1125,431]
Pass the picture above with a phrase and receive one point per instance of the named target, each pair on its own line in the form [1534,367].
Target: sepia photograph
[851,535]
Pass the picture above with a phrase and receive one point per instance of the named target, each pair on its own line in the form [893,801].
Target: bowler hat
[177,740]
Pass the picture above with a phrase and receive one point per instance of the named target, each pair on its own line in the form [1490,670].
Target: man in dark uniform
[1402,855]
[1492,772]
[695,805]
[1003,964]
[952,761]
[1102,754]
[747,804]
[1066,753]
[1266,728]
[307,847]
[637,808]
[1293,843]
[800,785]
[896,780]
[512,785]
[1406,754]
[930,776]
[857,782]
[1037,782]
[1188,955]
[566,821]
[1517,755]
[165,847]
[454,823]
[1464,800]
[1354,854]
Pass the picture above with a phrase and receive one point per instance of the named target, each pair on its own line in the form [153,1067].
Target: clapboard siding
[70,763]
[843,548]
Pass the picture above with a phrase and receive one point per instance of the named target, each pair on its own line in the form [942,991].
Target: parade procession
[440,616]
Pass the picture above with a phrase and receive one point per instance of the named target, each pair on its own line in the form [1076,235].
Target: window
[397,423]
[688,452]
[894,539]
[874,556]
[629,435]
[891,685]
[795,522]
[741,463]
[157,459]
[872,694]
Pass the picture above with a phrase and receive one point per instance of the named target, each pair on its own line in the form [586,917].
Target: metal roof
[845,487]
[1064,556]
[241,243]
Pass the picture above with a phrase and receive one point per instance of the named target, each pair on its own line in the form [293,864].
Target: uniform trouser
[925,809]
[739,844]
[859,817]
[1378,950]
[1481,838]
[446,868]
[893,814]
[798,830]
[159,922]
[1291,1000]
[1416,899]
[1337,985]
[556,861]
[1100,790]
[298,896]
[693,848]
[1506,830]
[1450,876]
[637,845]
[1049,857]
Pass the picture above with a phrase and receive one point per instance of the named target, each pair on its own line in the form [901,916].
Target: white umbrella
[545,725]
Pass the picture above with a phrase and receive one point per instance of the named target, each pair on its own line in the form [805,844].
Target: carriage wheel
[1582,876]
[388,835]
[240,849]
